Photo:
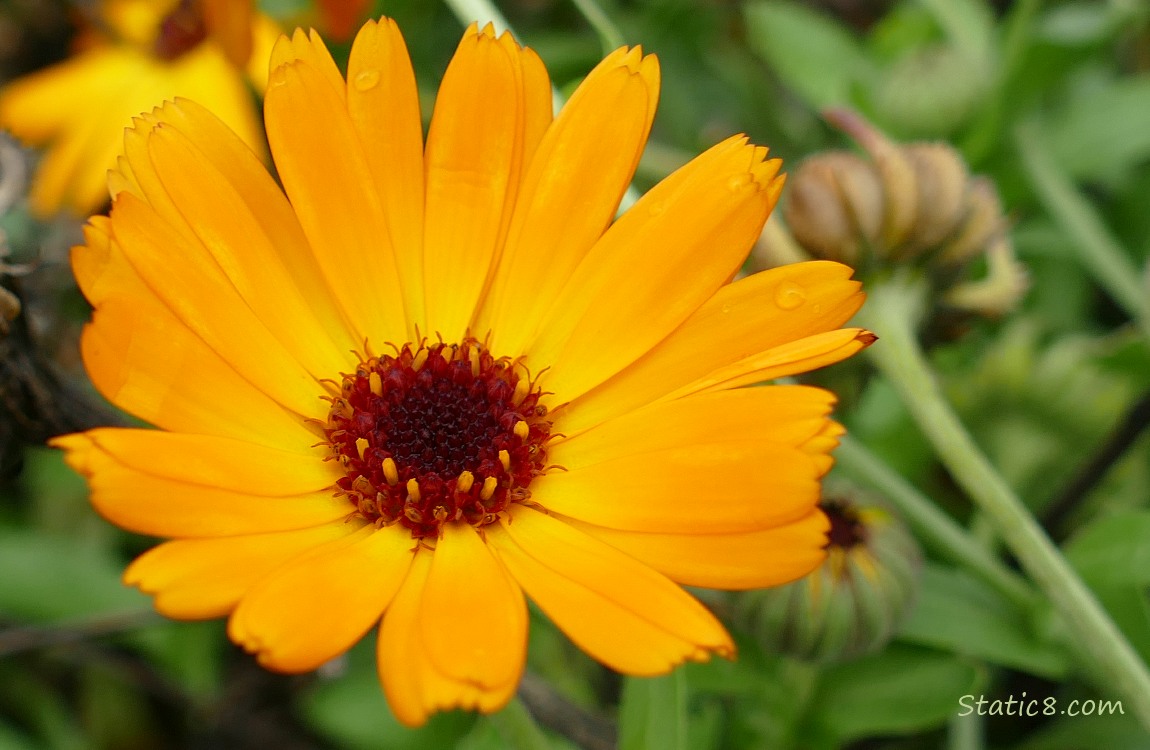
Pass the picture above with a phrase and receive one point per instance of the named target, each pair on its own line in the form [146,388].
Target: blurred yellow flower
[139,54]
[544,401]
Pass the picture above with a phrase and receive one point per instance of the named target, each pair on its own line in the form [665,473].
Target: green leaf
[653,713]
[958,613]
[1103,132]
[352,712]
[516,727]
[1113,558]
[901,690]
[10,739]
[47,578]
[1088,733]
[812,54]
[968,23]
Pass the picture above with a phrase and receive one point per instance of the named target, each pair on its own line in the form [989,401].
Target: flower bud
[942,182]
[836,206]
[851,604]
[913,204]
[982,222]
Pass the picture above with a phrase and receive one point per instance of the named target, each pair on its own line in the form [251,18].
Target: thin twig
[560,715]
[23,638]
[1132,426]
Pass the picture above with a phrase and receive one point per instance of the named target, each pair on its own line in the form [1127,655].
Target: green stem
[934,528]
[1098,250]
[609,35]
[480,11]
[965,733]
[517,727]
[986,133]
[893,310]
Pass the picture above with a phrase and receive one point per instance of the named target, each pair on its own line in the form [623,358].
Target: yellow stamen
[521,389]
[466,479]
[413,490]
[376,383]
[419,361]
[361,445]
[390,471]
[522,429]
[473,356]
[363,485]
[505,459]
[488,490]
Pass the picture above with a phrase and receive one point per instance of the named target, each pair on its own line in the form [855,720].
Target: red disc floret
[847,528]
[183,29]
[437,433]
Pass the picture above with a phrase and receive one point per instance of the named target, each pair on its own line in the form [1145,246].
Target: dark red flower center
[847,528]
[181,30]
[437,433]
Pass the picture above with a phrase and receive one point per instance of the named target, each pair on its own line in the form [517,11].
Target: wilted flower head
[137,53]
[905,204]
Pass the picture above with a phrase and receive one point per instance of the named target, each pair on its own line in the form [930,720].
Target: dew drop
[366,80]
[738,182]
[790,295]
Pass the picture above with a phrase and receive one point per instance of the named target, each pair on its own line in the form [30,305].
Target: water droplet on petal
[738,182]
[790,295]
[366,80]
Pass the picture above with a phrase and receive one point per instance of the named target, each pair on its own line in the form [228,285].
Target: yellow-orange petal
[206,76]
[383,102]
[149,504]
[71,174]
[207,303]
[570,192]
[678,244]
[291,264]
[219,462]
[799,356]
[748,560]
[39,109]
[309,48]
[251,260]
[615,608]
[820,446]
[266,33]
[415,688]
[229,24]
[466,583]
[190,388]
[318,605]
[780,414]
[37,106]
[740,320]
[204,578]
[328,179]
[701,230]
[474,154]
[720,487]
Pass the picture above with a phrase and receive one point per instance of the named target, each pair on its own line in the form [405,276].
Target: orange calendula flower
[144,51]
[433,379]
